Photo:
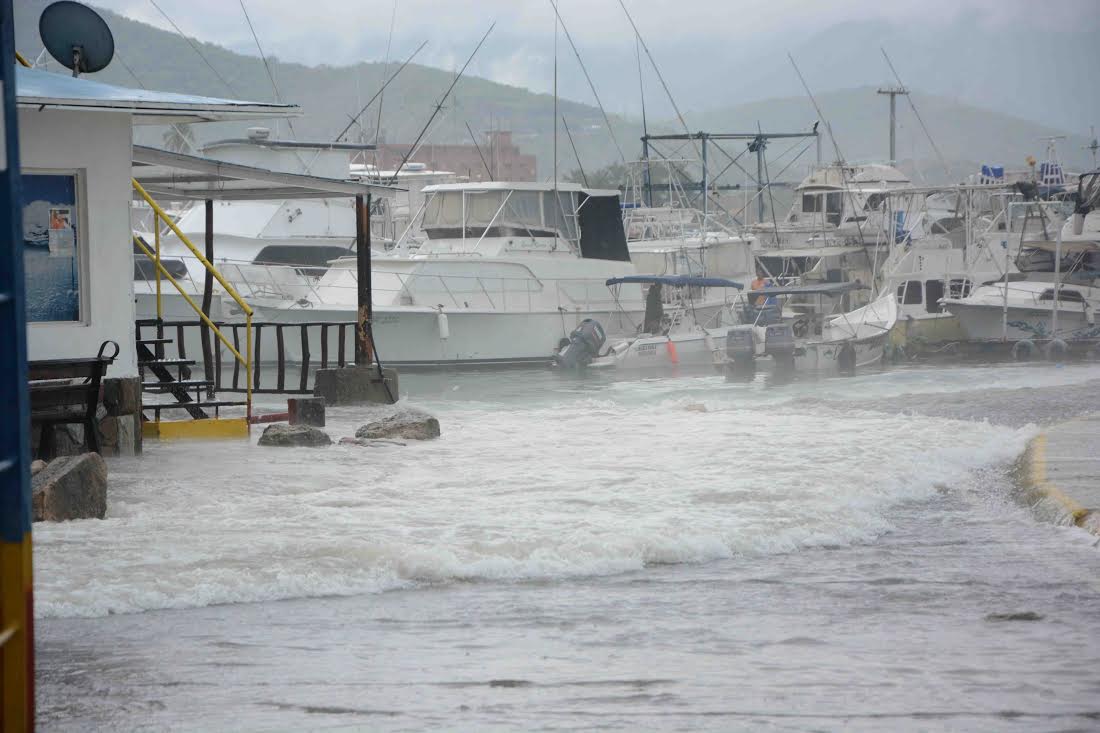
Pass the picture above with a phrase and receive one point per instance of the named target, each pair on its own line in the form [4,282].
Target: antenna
[77,37]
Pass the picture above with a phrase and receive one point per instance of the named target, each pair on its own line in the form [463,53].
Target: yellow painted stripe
[212,429]
[1037,465]
[17,649]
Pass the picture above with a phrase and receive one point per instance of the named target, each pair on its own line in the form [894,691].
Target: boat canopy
[823,289]
[676,281]
[1067,247]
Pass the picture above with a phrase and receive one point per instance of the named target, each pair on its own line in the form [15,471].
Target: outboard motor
[779,345]
[741,351]
[584,345]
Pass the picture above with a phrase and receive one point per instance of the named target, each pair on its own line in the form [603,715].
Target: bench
[65,392]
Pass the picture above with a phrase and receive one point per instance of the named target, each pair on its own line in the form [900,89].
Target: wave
[586,487]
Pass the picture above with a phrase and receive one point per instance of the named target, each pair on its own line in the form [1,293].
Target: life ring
[1024,350]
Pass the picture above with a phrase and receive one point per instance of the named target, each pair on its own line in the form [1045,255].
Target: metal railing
[306,363]
[159,216]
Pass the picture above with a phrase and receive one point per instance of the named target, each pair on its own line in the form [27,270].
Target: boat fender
[846,358]
[1056,350]
[672,355]
[444,326]
[708,340]
[1024,350]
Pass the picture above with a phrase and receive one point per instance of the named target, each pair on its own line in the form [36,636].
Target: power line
[195,48]
[591,86]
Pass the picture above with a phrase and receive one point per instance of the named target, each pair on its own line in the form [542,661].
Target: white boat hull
[983,322]
[416,337]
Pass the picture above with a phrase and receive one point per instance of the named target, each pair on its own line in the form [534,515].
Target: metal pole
[893,128]
[208,298]
[1057,285]
[706,183]
[364,351]
[760,181]
[16,598]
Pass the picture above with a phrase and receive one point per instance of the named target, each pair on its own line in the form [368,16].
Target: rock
[294,435]
[70,487]
[406,423]
[37,466]
[696,407]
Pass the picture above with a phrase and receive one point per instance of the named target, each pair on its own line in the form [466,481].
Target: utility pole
[758,145]
[894,92]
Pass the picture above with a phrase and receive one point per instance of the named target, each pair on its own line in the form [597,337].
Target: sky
[710,52]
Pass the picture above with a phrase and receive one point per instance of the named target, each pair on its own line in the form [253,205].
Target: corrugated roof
[35,88]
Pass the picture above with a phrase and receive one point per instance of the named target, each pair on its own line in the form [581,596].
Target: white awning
[177,177]
[38,89]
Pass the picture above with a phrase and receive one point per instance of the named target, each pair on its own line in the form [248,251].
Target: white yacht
[837,230]
[1056,292]
[269,249]
[507,271]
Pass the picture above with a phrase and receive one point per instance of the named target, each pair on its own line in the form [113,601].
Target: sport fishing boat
[1054,296]
[505,273]
[783,331]
[680,335]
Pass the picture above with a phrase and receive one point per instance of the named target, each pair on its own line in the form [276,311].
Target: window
[1064,296]
[874,201]
[52,252]
[811,203]
[909,293]
[833,207]
[144,269]
[959,288]
[933,291]
[309,259]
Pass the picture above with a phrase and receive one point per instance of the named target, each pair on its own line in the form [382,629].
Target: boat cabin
[493,219]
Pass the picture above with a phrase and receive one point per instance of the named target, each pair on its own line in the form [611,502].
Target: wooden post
[208,297]
[364,349]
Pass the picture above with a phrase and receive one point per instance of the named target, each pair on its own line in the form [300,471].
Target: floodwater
[593,554]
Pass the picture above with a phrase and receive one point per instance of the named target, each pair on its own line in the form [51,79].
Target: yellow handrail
[160,213]
[246,360]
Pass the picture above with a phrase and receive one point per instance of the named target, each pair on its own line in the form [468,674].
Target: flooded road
[669,553]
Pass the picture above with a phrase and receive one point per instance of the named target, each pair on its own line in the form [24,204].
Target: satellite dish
[76,36]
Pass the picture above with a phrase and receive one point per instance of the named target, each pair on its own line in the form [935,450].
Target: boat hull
[982,322]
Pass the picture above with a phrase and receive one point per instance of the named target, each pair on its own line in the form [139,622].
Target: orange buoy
[672,355]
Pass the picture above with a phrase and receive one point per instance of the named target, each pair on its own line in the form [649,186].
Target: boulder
[70,487]
[306,436]
[407,423]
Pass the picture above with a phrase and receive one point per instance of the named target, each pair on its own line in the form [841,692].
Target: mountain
[966,135]
[966,132]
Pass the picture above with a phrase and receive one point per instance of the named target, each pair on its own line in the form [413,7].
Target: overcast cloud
[699,45]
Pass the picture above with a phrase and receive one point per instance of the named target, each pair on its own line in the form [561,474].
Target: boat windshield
[500,213]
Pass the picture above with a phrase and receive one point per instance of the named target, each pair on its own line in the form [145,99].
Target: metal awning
[830,289]
[179,177]
[809,251]
[1066,247]
[38,89]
